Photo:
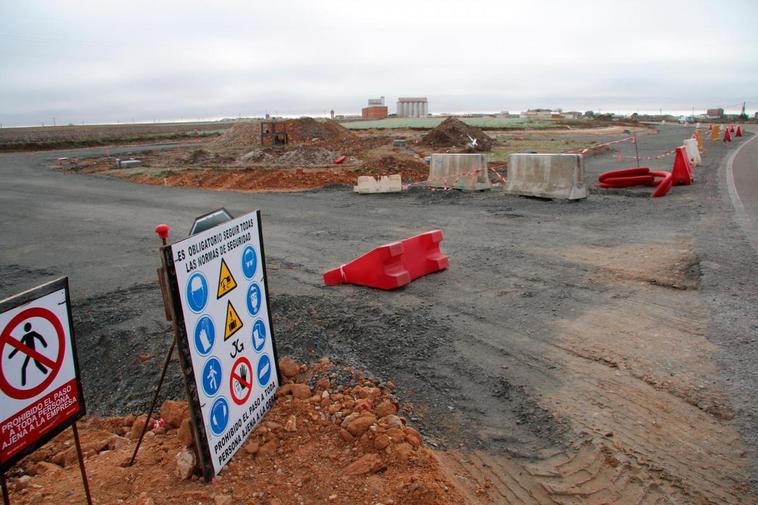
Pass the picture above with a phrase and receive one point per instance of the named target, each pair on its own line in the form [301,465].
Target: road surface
[611,332]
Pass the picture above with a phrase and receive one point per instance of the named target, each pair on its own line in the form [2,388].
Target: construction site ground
[589,352]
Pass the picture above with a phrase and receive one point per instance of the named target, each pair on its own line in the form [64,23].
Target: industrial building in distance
[375,109]
[412,107]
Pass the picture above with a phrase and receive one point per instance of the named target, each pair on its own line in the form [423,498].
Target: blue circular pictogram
[197,292]
[249,262]
[205,335]
[264,370]
[212,376]
[259,335]
[253,299]
[219,416]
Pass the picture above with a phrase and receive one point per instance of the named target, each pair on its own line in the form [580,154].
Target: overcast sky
[106,61]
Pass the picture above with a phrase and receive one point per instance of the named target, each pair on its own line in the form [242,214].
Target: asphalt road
[473,348]
[745,176]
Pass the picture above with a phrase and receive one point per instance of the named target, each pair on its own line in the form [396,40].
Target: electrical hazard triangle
[233,321]
[226,280]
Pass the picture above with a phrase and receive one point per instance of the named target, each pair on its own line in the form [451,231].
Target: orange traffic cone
[727,136]
[681,173]
[739,132]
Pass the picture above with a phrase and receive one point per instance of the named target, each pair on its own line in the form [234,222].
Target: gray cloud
[99,61]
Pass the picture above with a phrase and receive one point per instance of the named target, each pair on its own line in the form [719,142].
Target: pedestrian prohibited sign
[40,393]
[226,344]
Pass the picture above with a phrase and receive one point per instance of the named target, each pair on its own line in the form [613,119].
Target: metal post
[81,464]
[636,151]
[155,400]
[6,497]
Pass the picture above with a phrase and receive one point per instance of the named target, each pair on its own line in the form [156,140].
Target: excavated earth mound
[246,134]
[332,436]
[308,129]
[453,132]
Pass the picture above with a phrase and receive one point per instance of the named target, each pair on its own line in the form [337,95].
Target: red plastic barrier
[681,173]
[738,133]
[340,160]
[625,182]
[625,172]
[727,136]
[665,185]
[393,265]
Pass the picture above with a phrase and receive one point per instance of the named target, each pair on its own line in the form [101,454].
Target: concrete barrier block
[130,163]
[546,176]
[467,172]
[385,184]
[693,152]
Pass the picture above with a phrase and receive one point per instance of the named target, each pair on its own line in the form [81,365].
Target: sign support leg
[81,464]
[155,400]
[6,497]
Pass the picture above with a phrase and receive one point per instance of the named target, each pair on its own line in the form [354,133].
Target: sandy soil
[332,437]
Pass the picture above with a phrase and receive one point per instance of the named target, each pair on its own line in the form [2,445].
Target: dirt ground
[590,352]
[237,161]
[331,437]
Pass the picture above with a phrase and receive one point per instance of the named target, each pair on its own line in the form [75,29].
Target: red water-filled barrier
[665,185]
[641,176]
[681,173]
[393,265]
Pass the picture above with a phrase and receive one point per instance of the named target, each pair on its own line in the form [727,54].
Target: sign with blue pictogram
[219,417]
[264,370]
[259,335]
[226,344]
[249,262]
[205,335]
[253,299]
[197,292]
[212,375]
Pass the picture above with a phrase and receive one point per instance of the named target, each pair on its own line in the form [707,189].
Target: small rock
[404,451]
[185,463]
[137,426]
[173,412]
[368,463]
[412,436]
[222,499]
[185,433]
[358,426]
[385,408]
[291,424]
[346,436]
[391,421]
[301,391]
[381,442]
[288,367]
[252,447]
[23,482]
[115,442]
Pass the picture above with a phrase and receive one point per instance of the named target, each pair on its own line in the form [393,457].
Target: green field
[427,123]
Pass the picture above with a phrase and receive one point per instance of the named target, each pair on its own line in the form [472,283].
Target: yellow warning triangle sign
[226,280]
[233,321]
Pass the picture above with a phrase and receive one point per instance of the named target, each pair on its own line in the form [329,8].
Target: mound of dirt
[332,436]
[241,135]
[308,129]
[303,155]
[453,132]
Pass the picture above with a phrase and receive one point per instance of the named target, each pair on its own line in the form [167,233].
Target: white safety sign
[221,281]
[40,393]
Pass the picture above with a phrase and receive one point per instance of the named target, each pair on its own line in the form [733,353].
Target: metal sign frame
[183,346]
[25,298]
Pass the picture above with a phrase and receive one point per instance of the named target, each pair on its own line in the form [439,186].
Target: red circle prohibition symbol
[54,366]
[247,382]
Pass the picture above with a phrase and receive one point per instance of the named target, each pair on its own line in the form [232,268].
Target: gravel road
[619,328]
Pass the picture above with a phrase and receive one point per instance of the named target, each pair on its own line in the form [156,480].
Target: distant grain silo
[412,107]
